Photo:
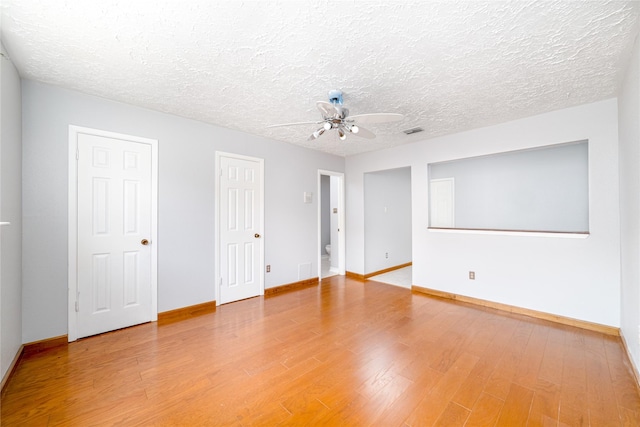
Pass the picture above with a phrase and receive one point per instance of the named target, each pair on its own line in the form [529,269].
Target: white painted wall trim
[510,233]
[72,215]
[341,222]
[218,277]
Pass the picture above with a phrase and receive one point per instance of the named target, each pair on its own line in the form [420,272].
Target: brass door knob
[257,236]
[144,242]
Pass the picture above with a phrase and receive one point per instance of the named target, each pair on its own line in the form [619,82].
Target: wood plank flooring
[343,353]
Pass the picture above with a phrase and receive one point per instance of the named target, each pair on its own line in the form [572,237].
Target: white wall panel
[101,282]
[101,157]
[131,280]
[232,215]
[577,278]
[249,208]
[131,207]
[232,267]
[130,161]
[249,249]
[99,206]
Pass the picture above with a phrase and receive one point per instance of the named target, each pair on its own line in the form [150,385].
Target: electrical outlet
[268,268]
[472,275]
[386,254]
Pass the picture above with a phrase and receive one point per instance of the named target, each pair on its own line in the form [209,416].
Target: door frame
[218,172]
[72,215]
[341,222]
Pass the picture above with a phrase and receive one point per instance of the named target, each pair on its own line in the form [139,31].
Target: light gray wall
[325,213]
[186,200]
[387,219]
[577,278]
[10,211]
[544,189]
[629,122]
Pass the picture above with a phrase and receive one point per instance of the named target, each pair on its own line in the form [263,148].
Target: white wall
[387,219]
[10,211]
[629,122]
[186,200]
[577,278]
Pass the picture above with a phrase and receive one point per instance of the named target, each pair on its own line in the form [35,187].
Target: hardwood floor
[341,353]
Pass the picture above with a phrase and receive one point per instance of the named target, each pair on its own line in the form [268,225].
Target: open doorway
[387,226]
[331,241]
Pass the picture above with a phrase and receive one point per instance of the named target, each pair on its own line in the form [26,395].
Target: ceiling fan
[335,116]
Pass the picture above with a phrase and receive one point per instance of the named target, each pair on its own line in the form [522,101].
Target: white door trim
[341,223]
[72,270]
[218,171]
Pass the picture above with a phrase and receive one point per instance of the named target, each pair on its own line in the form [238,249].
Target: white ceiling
[448,66]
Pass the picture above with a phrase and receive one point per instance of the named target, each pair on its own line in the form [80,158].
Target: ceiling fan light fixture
[327,125]
[317,133]
[354,129]
[341,134]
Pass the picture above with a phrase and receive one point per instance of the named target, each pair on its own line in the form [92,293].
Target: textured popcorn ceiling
[447,66]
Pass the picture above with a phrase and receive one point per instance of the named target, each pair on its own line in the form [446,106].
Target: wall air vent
[413,130]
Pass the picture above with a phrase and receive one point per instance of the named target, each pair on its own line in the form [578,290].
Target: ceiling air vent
[413,130]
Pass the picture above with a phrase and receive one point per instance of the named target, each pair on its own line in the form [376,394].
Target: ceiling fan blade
[364,133]
[376,118]
[293,124]
[327,109]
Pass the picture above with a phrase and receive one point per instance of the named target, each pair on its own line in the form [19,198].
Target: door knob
[257,236]
[144,242]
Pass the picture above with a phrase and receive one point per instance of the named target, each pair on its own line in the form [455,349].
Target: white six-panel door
[114,234]
[240,220]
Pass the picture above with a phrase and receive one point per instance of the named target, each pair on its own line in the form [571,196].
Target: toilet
[328,249]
